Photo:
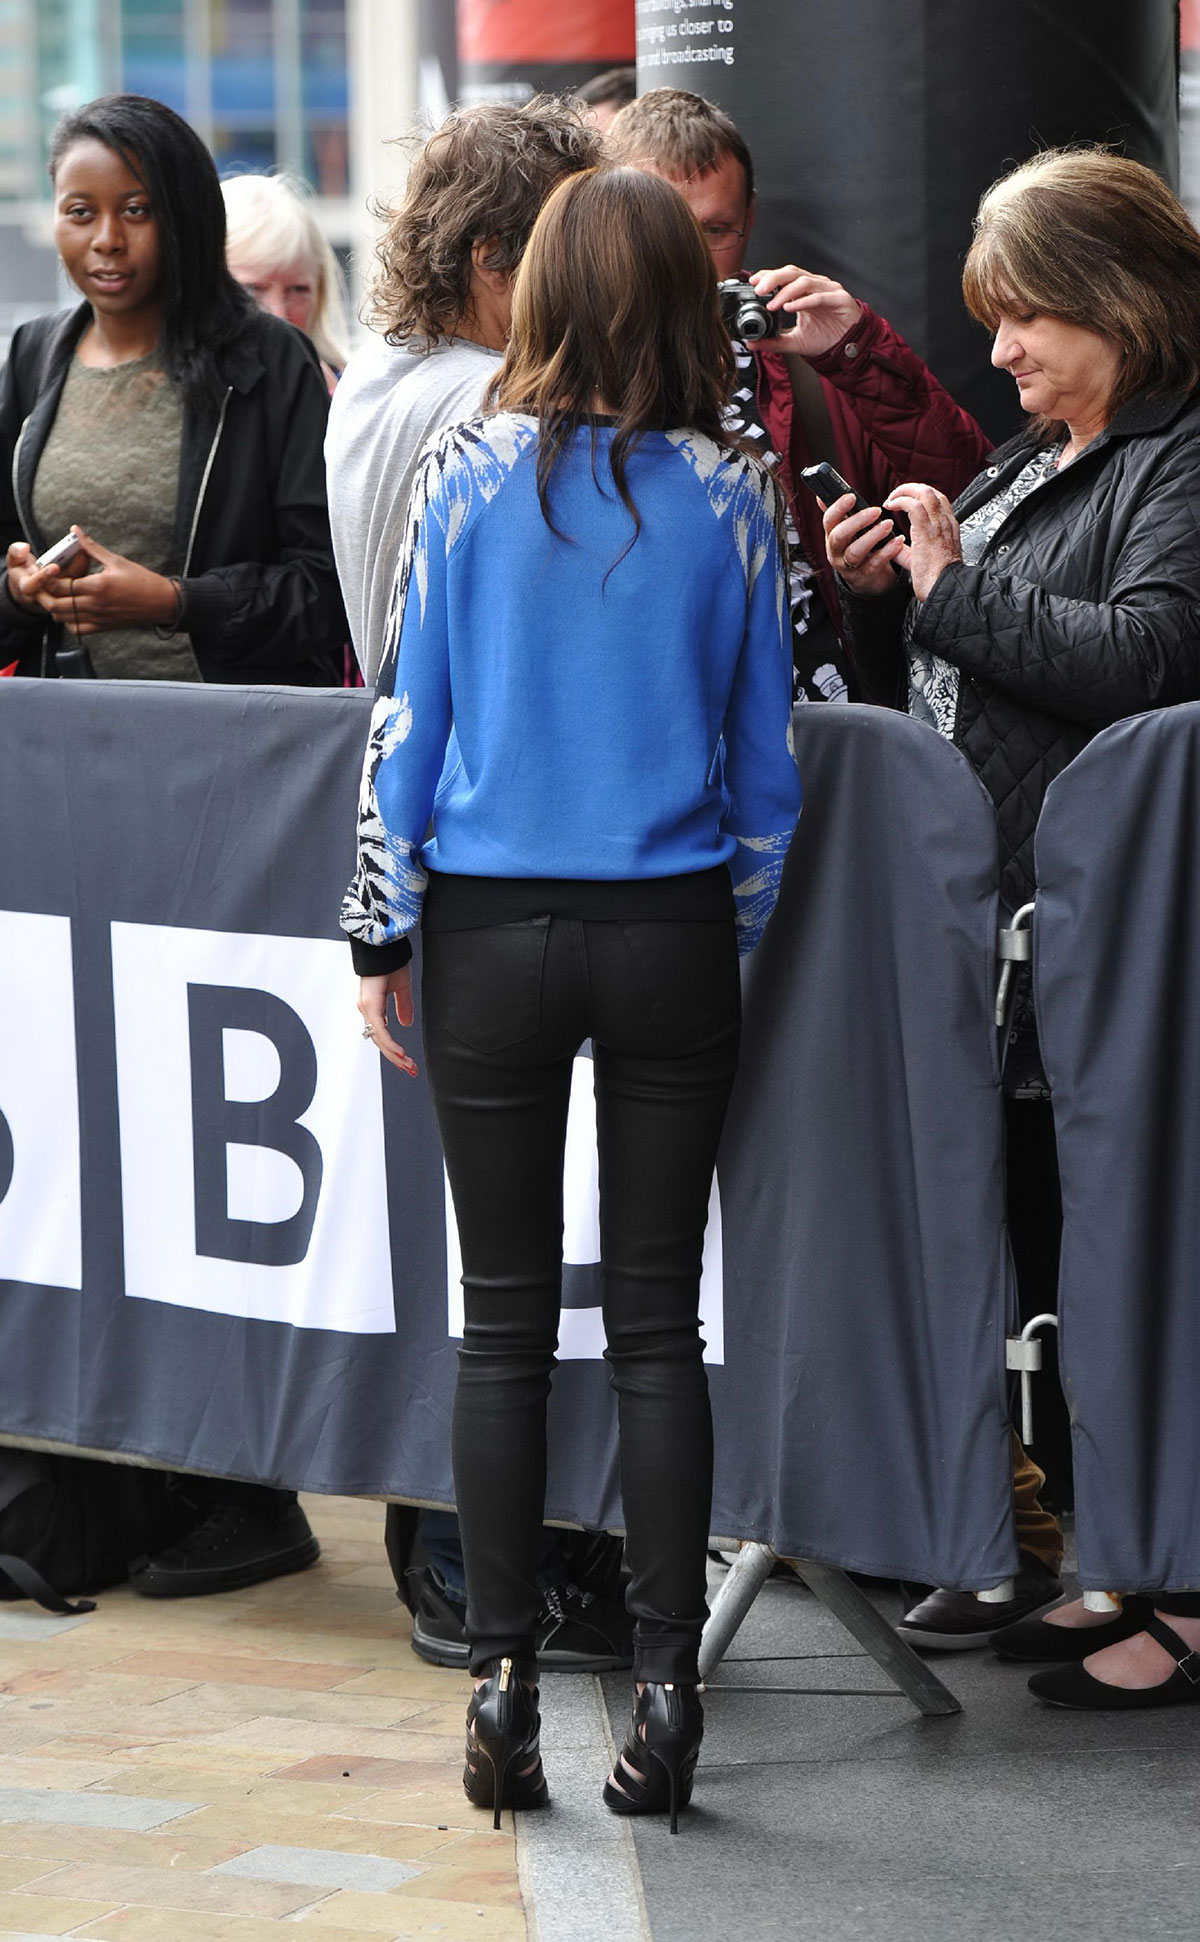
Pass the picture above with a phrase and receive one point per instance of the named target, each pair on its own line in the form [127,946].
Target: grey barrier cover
[1117,974]
[863,1162]
[206,1262]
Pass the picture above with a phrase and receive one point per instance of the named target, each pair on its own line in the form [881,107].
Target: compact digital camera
[745,314]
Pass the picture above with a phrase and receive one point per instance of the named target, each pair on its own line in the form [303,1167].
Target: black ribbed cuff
[379,960]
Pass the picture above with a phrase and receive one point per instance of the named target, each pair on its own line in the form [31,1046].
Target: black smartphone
[828,484]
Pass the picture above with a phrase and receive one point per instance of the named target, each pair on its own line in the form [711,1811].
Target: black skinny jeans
[505,1009]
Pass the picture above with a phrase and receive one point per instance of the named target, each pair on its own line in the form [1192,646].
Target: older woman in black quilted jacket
[1060,594]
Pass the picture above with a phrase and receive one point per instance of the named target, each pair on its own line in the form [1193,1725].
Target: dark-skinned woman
[177,433]
[168,424]
[1060,594]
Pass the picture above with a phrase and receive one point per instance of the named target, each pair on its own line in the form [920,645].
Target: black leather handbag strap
[31,1584]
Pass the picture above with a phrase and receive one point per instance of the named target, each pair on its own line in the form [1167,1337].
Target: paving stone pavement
[215,1769]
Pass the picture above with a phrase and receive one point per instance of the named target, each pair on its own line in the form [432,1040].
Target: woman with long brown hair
[579,783]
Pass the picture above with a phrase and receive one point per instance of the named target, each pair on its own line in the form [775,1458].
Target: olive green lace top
[111,465]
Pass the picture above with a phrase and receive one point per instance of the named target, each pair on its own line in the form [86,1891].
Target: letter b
[218,1123]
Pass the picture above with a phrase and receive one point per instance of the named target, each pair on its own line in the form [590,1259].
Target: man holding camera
[837,382]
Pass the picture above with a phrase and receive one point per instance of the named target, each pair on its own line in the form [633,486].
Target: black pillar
[876,126]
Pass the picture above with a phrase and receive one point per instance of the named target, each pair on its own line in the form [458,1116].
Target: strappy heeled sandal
[661,1747]
[503,1740]
[1075,1686]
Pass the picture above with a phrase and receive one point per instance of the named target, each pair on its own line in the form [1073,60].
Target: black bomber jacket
[1085,608]
[261,601]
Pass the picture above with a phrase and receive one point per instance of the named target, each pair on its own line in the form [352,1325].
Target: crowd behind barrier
[242,1169]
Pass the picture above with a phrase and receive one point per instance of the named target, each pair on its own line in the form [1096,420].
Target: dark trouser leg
[1035,1234]
[663,1080]
[502,1113]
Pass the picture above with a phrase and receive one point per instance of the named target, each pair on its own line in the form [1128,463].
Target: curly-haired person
[441,303]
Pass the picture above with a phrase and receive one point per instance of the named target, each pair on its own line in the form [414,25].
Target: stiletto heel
[503,1738]
[661,1747]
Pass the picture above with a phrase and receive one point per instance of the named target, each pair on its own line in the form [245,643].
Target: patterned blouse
[932,682]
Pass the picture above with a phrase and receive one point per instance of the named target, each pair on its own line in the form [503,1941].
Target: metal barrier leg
[745,1579]
[853,1609]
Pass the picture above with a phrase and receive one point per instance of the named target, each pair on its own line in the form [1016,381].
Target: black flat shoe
[1075,1687]
[503,1739]
[662,1747]
[1031,1639]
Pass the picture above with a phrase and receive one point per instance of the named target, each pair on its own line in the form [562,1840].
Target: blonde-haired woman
[1060,594]
[277,250]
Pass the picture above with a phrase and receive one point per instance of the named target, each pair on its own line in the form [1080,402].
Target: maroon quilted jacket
[892,422]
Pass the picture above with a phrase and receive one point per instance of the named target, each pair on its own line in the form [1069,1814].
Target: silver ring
[368,1031]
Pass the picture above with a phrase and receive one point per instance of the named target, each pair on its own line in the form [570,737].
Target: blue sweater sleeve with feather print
[583,701]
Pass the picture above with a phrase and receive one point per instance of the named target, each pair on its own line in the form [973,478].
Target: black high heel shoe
[662,1747]
[503,1739]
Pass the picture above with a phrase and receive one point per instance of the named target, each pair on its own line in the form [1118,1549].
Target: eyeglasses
[720,236]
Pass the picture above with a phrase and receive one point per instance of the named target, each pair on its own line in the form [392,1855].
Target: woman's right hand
[852,542]
[373,996]
[26,580]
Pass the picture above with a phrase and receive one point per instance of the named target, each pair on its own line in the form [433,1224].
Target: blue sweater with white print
[569,704]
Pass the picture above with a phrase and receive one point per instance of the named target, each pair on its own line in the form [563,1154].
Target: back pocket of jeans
[687,979]
[487,983]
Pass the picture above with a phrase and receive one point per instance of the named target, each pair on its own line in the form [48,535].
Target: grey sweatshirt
[388,404]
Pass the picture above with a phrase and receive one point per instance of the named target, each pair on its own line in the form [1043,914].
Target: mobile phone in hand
[827,483]
[61,553]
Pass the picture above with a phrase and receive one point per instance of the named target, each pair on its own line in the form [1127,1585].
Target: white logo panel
[581,1330]
[40,1217]
[251,1112]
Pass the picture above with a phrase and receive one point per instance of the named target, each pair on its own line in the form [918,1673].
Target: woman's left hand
[121,594]
[373,995]
[935,542]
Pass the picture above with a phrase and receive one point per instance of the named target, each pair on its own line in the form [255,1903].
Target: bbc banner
[226,1241]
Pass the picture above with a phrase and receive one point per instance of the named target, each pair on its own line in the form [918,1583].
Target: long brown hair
[615,300]
[1100,241]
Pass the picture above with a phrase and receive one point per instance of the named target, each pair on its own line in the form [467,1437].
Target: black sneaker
[439,1630]
[577,1632]
[236,1545]
[958,1621]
